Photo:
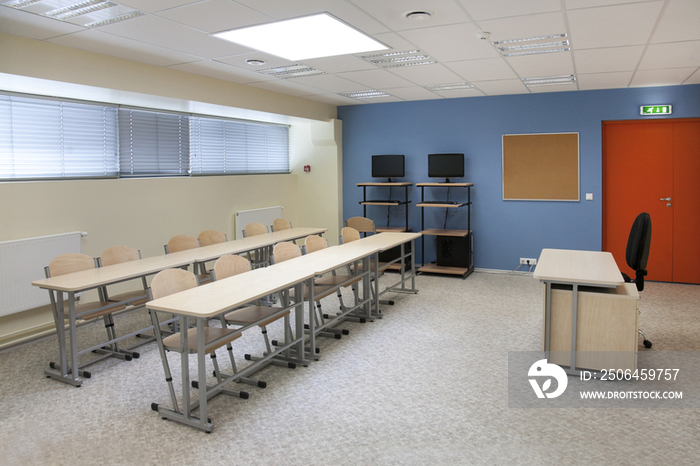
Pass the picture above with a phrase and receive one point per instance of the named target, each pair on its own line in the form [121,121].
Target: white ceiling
[614,43]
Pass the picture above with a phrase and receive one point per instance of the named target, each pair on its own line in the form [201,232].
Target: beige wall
[145,213]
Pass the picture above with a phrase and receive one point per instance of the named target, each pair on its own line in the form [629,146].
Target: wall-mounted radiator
[266,216]
[22,261]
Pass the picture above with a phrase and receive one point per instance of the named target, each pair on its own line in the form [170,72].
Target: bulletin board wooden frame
[541,167]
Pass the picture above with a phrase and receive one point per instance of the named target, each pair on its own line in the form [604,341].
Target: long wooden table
[78,282]
[221,296]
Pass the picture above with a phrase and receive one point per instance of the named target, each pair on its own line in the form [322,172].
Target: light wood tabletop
[582,267]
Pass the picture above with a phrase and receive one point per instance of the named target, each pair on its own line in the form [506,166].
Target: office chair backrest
[637,253]
[208,237]
[169,281]
[230,265]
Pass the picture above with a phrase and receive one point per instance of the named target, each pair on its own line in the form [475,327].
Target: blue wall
[504,231]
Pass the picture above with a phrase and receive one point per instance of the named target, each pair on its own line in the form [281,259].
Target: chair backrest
[208,237]
[254,229]
[230,265]
[118,254]
[361,224]
[637,253]
[349,234]
[281,224]
[314,243]
[181,243]
[169,281]
[285,251]
[69,263]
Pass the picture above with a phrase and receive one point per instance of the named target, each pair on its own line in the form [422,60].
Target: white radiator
[266,216]
[22,261]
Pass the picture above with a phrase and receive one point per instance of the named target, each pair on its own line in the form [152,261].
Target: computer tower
[394,253]
[453,251]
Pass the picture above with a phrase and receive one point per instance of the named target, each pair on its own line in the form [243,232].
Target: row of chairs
[108,304]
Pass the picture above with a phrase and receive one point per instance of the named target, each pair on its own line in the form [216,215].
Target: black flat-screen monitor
[445,166]
[388,166]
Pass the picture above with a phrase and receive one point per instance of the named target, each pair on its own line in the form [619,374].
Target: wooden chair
[230,265]
[170,281]
[184,243]
[362,225]
[118,255]
[261,256]
[76,262]
[208,237]
[280,224]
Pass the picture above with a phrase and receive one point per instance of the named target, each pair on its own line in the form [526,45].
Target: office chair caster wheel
[346,331]
[647,344]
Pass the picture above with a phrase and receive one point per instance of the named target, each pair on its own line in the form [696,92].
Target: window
[48,139]
[229,146]
[53,139]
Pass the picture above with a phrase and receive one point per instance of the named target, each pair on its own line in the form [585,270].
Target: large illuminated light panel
[303,38]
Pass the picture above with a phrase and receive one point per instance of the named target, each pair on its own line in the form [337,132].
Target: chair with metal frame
[168,282]
[280,224]
[261,256]
[184,243]
[230,265]
[208,237]
[76,262]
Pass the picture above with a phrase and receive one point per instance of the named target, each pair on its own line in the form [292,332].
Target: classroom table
[86,280]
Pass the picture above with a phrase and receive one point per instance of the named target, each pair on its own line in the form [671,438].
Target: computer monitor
[388,166]
[446,166]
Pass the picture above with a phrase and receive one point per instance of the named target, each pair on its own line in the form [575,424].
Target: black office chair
[637,255]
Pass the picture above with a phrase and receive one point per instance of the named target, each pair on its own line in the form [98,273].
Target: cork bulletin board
[542,167]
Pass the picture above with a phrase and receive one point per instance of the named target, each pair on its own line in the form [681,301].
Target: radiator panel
[265,215]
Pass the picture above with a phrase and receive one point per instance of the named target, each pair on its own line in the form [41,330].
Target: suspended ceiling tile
[151,6]
[607,60]
[427,74]
[215,16]
[616,80]
[577,4]
[694,79]
[392,12]
[95,41]
[413,93]
[240,61]
[341,9]
[327,82]
[548,64]
[482,70]
[218,70]
[674,55]
[553,88]
[481,10]
[679,22]
[340,64]
[287,86]
[672,77]
[521,27]
[395,41]
[451,43]
[618,25]
[502,87]
[164,33]
[376,79]
[332,99]
[19,23]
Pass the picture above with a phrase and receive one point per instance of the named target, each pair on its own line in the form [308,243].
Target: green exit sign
[655,110]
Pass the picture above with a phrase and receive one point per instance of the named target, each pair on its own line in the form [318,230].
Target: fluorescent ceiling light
[400,59]
[291,71]
[550,80]
[79,9]
[533,45]
[368,94]
[303,38]
[114,19]
[463,86]
[20,3]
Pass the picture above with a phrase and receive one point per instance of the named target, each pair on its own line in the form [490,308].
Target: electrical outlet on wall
[527,261]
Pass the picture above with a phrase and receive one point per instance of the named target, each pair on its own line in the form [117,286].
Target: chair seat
[335,280]
[97,305]
[251,314]
[135,298]
[210,335]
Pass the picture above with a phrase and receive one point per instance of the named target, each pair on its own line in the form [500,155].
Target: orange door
[654,167]
[686,202]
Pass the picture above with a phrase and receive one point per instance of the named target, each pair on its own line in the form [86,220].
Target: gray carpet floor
[427,384]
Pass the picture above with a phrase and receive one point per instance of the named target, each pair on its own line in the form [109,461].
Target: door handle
[665,198]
